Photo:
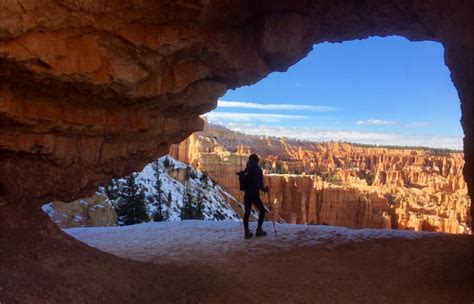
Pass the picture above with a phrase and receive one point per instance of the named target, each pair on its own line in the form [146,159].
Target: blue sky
[377,90]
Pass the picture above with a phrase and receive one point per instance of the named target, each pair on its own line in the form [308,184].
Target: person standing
[253,184]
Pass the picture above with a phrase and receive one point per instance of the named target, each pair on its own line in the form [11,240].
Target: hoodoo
[342,184]
[91,90]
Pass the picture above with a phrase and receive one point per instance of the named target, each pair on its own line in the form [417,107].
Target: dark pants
[250,199]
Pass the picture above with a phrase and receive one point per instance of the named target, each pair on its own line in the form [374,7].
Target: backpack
[243,179]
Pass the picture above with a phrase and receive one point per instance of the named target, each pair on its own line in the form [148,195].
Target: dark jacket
[255,178]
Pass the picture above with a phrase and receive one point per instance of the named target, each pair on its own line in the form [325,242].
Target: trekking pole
[270,206]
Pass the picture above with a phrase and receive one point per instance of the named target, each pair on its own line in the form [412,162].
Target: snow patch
[48,209]
[194,241]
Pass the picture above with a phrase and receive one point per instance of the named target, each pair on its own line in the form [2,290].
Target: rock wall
[93,211]
[91,90]
[341,184]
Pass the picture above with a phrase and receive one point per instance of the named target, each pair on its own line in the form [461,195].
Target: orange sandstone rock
[367,187]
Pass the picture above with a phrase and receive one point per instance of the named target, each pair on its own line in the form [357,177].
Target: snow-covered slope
[175,177]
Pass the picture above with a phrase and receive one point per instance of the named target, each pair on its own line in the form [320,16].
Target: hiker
[252,180]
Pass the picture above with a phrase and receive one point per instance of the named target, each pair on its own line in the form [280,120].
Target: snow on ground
[208,242]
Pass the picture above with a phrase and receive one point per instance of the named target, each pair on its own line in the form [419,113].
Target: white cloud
[375,122]
[375,138]
[418,124]
[219,117]
[281,107]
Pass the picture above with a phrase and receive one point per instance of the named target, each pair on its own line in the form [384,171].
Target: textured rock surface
[341,184]
[298,199]
[87,85]
[93,211]
[91,90]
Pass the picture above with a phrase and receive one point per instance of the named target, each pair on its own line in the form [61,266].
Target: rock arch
[91,90]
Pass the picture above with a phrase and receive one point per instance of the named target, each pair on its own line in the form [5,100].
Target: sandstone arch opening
[271,108]
[312,198]
[89,92]
[367,126]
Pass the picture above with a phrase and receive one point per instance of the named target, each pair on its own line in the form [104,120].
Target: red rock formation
[91,90]
[307,199]
[379,187]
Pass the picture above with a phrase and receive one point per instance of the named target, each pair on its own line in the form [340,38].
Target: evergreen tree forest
[130,201]
[191,209]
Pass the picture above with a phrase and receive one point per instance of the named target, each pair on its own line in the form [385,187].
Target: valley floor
[301,264]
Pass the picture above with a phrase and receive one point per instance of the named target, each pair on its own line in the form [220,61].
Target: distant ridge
[433,150]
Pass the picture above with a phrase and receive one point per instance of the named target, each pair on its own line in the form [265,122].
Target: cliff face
[341,184]
[301,199]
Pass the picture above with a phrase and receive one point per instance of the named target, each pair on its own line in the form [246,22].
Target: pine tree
[159,215]
[192,210]
[199,210]
[204,179]
[112,190]
[170,200]
[166,162]
[187,210]
[131,207]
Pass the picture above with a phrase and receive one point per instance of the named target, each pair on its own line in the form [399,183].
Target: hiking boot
[248,234]
[260,232]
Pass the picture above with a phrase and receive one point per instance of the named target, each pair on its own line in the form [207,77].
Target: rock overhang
[94,90]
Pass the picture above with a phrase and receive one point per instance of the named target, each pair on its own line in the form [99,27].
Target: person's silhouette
[253,186]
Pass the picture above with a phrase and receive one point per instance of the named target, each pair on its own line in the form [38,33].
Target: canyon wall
[338,183]
[300,199]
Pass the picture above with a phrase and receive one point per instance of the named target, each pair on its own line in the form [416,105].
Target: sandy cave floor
[301,264]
